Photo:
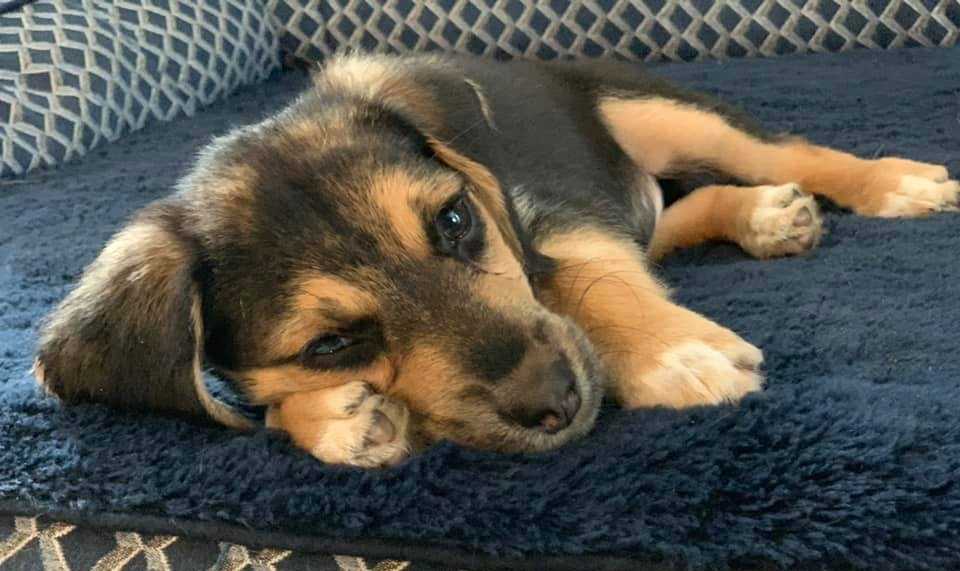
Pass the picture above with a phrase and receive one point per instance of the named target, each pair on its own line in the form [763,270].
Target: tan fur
[229,188]
[306,318]
[382,79]
[424,381]
[702,216]
[40,375]
[347,424]
[663,136]
[643,338]
[273,384]
[144,242]
[502,283]
[765,221]
[490,193]
[485,108]
[304,322]
[402,199]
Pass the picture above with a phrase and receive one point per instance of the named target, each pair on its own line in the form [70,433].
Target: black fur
[547,139]
[496,354]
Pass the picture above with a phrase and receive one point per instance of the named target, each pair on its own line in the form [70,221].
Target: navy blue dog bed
[849,459]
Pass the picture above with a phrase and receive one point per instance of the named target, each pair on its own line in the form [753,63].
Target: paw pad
[784,221]
[381,431]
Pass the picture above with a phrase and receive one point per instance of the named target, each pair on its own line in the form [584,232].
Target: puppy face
[374,253]
[336,242]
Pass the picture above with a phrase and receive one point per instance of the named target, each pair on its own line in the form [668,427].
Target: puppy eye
[319,352]
[356,345]
[454,221]
[329,345]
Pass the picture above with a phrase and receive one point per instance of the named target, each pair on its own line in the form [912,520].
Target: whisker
[607,275]
[465,131]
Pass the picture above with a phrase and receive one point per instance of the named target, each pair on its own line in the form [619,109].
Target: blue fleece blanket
[850,458]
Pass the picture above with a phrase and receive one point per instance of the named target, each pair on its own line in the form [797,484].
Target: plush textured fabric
[848,459]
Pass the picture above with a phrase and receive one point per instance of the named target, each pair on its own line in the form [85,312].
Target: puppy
[424,248]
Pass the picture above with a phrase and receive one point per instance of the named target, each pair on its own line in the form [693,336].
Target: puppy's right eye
[454,221]
[456,231]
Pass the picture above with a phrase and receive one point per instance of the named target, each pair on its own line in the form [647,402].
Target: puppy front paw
[715,369]
[374,436]
[349,424]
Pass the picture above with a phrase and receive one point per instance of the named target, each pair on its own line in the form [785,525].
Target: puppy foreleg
[656,353]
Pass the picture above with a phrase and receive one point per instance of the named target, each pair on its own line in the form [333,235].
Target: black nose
[558,400]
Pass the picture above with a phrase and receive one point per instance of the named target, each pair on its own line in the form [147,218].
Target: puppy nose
[562,400]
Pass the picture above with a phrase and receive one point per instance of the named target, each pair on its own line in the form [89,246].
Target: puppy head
[338,241]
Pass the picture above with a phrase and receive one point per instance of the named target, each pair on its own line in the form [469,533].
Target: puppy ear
[490,194]
[131,333]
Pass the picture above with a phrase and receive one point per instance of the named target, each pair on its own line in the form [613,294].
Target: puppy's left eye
[325,352]
[329,345]
[454,221]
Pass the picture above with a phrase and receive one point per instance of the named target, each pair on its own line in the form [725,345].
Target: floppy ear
[131,333]
[490,194]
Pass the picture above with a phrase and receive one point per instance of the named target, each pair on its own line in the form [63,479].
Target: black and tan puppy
[424,248]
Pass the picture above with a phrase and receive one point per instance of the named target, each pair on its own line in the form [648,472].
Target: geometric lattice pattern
[35,543]
[74,73]
[636,30]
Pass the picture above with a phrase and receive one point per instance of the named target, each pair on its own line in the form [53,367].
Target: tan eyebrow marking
[319,303]
[404,199]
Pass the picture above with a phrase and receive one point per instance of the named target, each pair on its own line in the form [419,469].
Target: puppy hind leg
[766,221]
[667,136]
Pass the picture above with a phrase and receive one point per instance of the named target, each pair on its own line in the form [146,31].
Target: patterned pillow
[632,29]
[74,73]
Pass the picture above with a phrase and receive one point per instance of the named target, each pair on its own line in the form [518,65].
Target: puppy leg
[667,136]
[766,221]
[656,352]
[348,424]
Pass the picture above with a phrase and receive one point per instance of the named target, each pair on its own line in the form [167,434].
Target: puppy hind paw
[783,221]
